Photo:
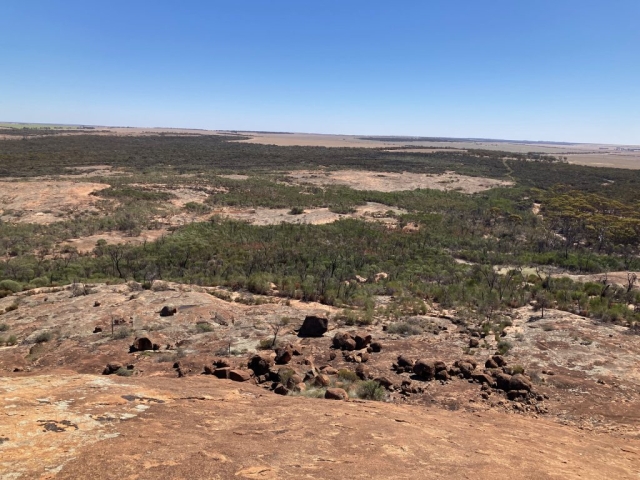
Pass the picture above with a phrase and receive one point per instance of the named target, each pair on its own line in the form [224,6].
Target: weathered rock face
[141,344]
[313,326]
[336,394]
[168,311]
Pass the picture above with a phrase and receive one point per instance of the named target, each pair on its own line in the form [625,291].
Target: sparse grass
[203,327]
[166,358]
[347,375]
[4,327]
[518,369]
[296,211]
[504,346]
[12,340]
[405,328]
[122,333]
[124,372]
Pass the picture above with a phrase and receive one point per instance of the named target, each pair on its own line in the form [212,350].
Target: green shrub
[203,327]
[4,327]
[12,340]
[404,328]
[124,372]
[296,211]
[10,285]
[43,337]
[370,390]
[518,369]
[347,375]
[197,208]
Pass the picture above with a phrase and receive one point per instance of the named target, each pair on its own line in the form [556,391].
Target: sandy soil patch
[87,244]
[316,216]
[392,182]
[234,176]
[46,201]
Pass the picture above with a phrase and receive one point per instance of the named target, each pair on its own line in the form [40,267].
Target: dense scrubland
[480,253]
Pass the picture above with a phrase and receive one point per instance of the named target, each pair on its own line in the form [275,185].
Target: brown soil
[46,201]
[392,182]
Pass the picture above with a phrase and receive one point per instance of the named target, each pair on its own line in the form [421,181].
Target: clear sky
[538,70]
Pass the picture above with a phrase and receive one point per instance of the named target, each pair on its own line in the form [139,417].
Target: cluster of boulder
[496,374]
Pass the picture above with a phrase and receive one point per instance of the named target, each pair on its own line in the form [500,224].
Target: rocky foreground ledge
[68,425]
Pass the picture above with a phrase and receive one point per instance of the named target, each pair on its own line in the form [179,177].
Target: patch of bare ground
[87,244]
[392,182]
[46,201]
[585,374]
[273,216]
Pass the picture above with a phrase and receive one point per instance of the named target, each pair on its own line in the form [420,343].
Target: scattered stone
[156,347]
[425,369]
[385,382]
[281,390]
[520,382]
[474,343]
[499,360]
[482,378]
[95,304]
[362,340]
[168,311]
[404,361]
[97,330]
[313,326]
[344,341]
[239,375]
[332,356]
[503,381]
[490,363]
[336,394]
[328,370]
[322,380]
[284,355]
[363,372]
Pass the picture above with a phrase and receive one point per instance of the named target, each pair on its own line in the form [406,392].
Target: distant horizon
[425,138]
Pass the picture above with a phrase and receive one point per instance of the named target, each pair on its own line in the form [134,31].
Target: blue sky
[542,70]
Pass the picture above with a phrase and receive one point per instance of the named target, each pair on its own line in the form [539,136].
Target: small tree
[276,327]
[542,302]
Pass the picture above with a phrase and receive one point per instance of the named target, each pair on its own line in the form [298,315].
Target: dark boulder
[284,355]
[313,326]
[520,382]
[343,341]
[141,344]
[425,369]
[260,364]
[362,340]
[376,347]
[168,311]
